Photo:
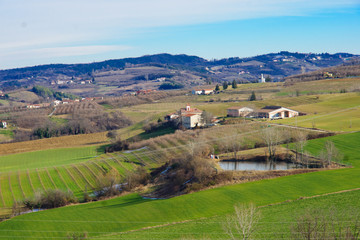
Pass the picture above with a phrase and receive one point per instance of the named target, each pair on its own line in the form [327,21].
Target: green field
[132,212]
[335,112]
[47,158]
[73,169]
[275,221]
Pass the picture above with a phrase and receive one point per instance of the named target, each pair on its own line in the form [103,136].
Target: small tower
[262,80]
[188,107]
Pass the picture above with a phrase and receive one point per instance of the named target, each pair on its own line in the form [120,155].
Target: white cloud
[67,51]
[29,25]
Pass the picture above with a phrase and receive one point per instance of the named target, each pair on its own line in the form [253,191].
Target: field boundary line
[192,220]
[31,184]
[10,187]
[120,164]
[139,159]
[106,163]
[21,188]
[83,176]
[61,177]
[52,181]
[91,171]
[41,182]
[310,197]
[72,177]
[97,166]
[2,198]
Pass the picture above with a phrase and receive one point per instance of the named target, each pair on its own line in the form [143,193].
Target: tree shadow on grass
[130,202]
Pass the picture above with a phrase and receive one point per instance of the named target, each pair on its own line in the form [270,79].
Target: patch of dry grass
[51,143]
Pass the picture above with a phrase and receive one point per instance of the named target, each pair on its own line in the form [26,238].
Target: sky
[35,32]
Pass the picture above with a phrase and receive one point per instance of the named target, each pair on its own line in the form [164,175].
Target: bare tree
[300,142]
[271,137]
[327,224]
[242,224]
[77,235]
[206,118]
[330,153]
[235,145]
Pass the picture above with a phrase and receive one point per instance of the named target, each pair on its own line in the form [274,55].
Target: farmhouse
[191,120]
[202,91]
[275,112]
[239,111]
[171,116]
[197,92]
[3,124]
[190,117]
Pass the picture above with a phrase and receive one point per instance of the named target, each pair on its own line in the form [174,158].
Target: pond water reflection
[248,165]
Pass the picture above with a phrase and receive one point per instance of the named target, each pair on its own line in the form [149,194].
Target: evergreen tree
[252,97]
[225,85]
[217,88]
[234,84]
[268,79]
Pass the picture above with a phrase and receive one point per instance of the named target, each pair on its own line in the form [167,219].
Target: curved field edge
[275,220]
[18,185]
[133,212]
[47,158]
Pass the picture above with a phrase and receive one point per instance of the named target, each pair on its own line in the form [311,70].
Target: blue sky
[37,32]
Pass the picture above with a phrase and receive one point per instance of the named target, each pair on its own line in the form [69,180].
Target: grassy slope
[132,212]
[330,114]
[83,140]
[275,220]
[46,158]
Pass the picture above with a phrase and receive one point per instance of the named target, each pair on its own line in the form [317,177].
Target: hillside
[114,77]
[350,69]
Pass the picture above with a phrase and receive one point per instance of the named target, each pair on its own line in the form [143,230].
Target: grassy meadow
[131,212]
[335,112]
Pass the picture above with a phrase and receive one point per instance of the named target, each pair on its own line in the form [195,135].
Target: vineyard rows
[18,185]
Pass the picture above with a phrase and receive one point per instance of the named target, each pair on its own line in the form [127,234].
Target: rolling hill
[114,77]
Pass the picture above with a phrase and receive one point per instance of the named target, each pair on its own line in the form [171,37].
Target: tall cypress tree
[252,97]
[234,84]
[225,85]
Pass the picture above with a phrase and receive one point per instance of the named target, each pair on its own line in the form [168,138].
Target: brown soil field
[51,143]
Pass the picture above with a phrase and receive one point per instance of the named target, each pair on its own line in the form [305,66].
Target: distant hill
[350,69]
[114,77]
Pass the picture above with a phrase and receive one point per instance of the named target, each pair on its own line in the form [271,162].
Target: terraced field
[60,169]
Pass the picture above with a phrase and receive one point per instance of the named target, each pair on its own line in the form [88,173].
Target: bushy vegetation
[36,124]
[124,101]
[170,85]
[51,198]
[49,93]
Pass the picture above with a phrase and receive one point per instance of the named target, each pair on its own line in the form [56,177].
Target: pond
[252,165]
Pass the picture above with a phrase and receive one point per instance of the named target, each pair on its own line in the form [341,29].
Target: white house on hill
[202,91]
[276,112]
[190,117]
[239,111]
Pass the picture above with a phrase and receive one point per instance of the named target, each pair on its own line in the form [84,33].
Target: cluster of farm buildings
[192,117]
[63,101]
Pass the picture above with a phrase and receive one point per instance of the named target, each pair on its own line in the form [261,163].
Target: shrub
[108,184]
[52,198]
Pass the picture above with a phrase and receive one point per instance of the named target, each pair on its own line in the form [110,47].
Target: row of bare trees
[314,224]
